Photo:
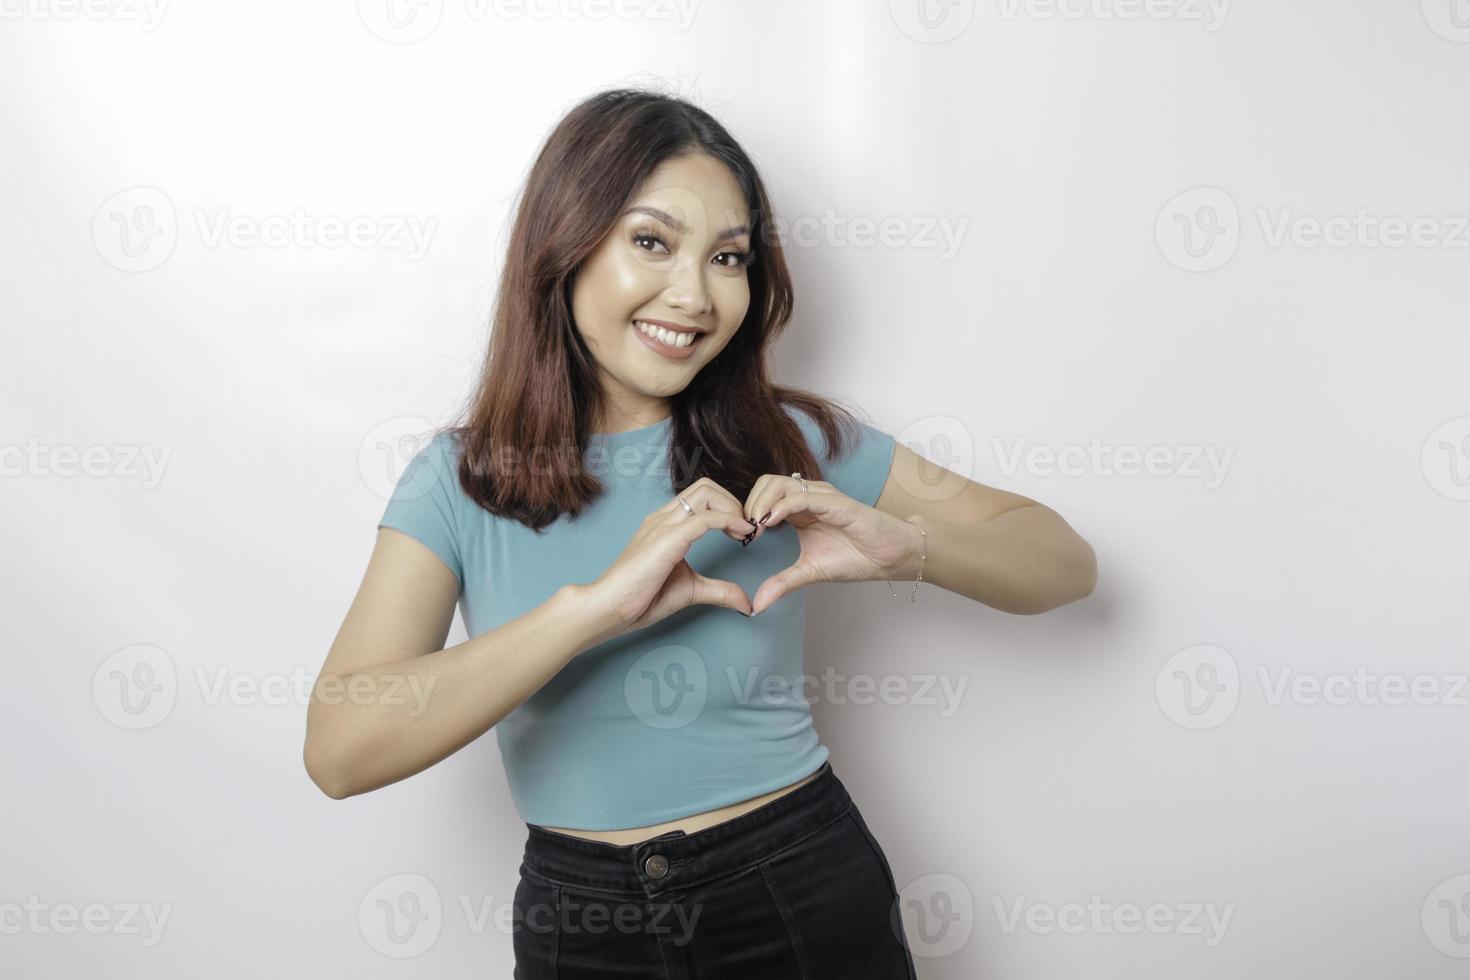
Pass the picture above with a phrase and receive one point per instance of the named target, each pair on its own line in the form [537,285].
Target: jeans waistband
[677,860]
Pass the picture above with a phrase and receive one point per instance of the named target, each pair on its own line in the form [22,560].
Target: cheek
[631,282]
[606,295]
[732,300]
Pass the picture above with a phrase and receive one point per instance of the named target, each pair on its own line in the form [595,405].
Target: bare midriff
[689,824]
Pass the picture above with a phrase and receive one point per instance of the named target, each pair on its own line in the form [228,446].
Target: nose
[687,289]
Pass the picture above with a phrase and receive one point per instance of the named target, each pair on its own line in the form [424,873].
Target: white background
[1135,189]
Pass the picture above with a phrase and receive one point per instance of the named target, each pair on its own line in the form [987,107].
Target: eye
[740,259]
[642,236]
[737,258]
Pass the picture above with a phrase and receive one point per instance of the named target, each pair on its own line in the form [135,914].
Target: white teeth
[666,336]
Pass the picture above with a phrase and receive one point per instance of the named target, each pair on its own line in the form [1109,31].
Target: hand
[651,579]
[841,539]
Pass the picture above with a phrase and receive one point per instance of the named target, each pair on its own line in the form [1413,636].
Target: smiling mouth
[674,339]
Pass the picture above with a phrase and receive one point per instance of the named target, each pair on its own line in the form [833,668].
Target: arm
[389,702]
[995,547]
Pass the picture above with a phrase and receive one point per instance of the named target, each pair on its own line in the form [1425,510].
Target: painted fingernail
[763,519]
[752,523]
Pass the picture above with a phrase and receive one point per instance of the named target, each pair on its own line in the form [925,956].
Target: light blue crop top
[704,708]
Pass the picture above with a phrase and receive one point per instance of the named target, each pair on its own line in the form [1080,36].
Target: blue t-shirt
[704,708]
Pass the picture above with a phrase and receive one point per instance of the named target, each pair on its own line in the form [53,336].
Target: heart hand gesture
[841,539]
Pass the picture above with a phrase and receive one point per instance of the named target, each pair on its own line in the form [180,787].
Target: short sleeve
[423,503]
[867,456]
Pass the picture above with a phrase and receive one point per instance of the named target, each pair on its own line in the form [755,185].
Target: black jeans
[796,888]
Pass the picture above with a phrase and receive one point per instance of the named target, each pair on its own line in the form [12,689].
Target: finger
[780,585]
[782,488]
[729,501]
[769,488]
[692,527]
[707,496]
[719,592]
[689,493]
[756,498]
[710,490]
[819,505]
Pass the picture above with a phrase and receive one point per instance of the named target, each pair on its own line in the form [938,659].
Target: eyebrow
[674,223]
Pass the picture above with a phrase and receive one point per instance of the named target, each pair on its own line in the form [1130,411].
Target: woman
[682,816]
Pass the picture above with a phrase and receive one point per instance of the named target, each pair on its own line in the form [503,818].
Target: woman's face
[677,255]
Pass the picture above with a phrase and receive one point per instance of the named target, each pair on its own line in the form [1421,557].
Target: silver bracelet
[911,596]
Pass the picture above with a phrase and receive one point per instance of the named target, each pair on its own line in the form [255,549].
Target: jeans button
[656,865]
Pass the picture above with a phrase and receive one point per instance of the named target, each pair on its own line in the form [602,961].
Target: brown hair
[538,386]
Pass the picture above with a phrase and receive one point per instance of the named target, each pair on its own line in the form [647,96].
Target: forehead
[698,190]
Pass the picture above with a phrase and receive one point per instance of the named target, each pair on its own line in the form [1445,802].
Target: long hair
[539,388]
